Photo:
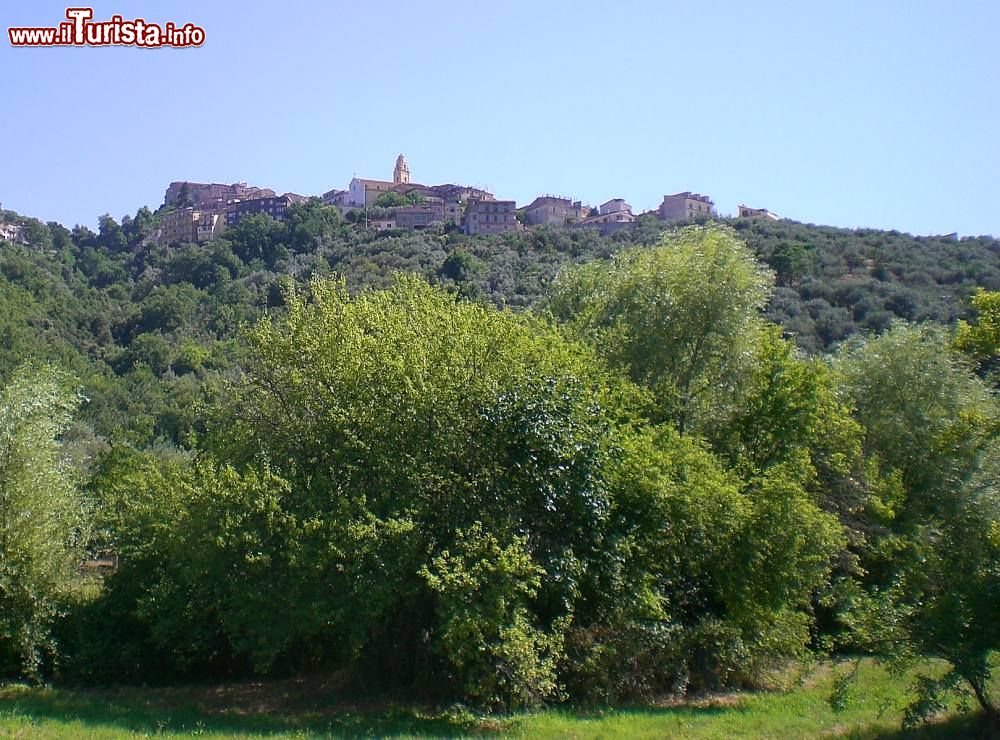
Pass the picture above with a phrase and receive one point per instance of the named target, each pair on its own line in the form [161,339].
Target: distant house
[611,216]
[12,232]
[334,197]
[491,217]
[179,227]
[551,209]
[452,211]
[426,192]
[188,225]
[613,206]
[382,224]
[209,225]
[274,207]
[419,216]
[430,202]
[748,212]
[450,192]
[685,206]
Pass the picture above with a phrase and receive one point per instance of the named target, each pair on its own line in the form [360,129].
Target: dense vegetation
[510,470]
[147,330]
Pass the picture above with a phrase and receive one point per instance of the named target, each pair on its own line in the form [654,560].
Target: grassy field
[301,708]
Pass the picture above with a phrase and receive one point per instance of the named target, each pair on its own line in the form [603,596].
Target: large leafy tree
[932,552]
[43,519]
[731,568]
[735,558]
[684,319]
[679,317]
[924,417]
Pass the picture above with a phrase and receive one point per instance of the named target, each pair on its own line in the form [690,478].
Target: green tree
[785,410]
[932,553]
[732,568]
[981,340]
[791,261]
[43,518]
[679,317]
[111,237]
[391,199]
[922,414]
[142,505]
[140,226]
[460,266]
[150,349]
[258,237]
[310,223]
[488,634]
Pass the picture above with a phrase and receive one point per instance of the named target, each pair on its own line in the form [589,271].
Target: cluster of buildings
[197,212]
[200,211]
[424,204]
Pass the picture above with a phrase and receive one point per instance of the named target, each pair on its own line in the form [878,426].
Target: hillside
[149,330]
[831,283]
[630,484]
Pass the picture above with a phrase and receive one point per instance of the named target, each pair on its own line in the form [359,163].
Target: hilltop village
[197,212]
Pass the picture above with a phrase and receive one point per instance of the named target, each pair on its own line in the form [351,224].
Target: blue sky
[881,114]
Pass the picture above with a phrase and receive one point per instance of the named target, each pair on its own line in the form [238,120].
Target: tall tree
[933,552]
[679,317]
[43,519]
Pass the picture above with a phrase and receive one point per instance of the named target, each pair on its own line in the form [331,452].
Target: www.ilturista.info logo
[80,30]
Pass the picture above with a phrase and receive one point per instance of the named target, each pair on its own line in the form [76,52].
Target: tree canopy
[43,517]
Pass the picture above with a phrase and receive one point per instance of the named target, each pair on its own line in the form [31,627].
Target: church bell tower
[401,173]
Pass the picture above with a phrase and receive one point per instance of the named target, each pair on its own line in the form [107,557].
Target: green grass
[301,708]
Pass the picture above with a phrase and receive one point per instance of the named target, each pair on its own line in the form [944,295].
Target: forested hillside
[832,283]
[510,471]
[148,330]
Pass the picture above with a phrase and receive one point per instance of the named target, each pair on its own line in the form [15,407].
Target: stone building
[611,216]
[685,206]
[190,225]
[179,227]
[12,232]
[334,197]
[491,217]
[363,192]
[426,213]
[274,207]
[551,209]
[209,225]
